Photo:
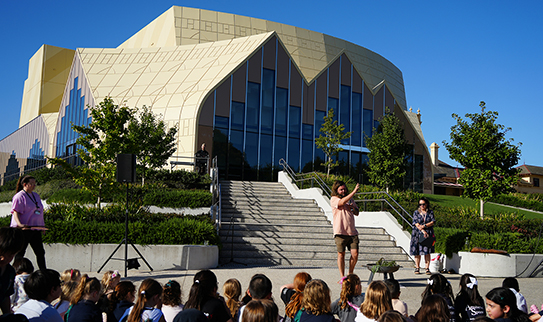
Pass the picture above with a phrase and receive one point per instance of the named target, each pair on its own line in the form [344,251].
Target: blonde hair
[377,300]
[348,289]
[295,303]
[68,289]
[108,277]
[316,297]
[232,291]
[70,274]
[87,286]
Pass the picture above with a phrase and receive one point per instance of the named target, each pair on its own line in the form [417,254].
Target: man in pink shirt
[345,234]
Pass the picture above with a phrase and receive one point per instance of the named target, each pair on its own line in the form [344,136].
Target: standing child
[232,291]
[349,300]
[147,307]
[11,242]
[397,304]
[501,305]
[171,303]
[23,268]
[439,285]
[468,304]
[84,308]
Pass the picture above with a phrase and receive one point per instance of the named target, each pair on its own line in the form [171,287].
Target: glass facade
[282,116]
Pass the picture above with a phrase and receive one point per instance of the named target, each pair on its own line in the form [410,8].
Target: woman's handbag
[427,241]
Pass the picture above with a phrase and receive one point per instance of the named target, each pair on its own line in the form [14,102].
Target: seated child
[397,304]
[11,242]
[512,284]
[23,268]
[42,287]
[350,299]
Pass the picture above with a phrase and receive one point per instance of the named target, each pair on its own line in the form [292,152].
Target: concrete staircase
[263,225]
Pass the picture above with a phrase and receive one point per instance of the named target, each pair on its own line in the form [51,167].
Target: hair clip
[196,281]
[71,273]
[430,282]
[473,282]
[342,280]
[115,274]
[169,284]
[142,292]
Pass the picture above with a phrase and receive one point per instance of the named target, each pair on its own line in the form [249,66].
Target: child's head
[23,265]
[43,285]
[316,298]
[376,301]
[71,274]
[11,242]
[260,287]
[126,291]
[88,289]
[511,282]
[350,286]
[232,291]
[68,290]
[469,287]
[149,294]
[110,280]
[434,308]
[438,284]
[204,285]
[171,293]
[391,316]
[260,311]
[501,302]
[394,288]
[300,281]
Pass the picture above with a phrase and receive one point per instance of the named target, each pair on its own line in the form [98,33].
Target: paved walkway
[411,285]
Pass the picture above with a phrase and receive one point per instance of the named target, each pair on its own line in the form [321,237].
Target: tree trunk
[482,208]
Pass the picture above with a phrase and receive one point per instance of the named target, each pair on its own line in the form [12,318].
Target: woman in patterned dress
[423,221]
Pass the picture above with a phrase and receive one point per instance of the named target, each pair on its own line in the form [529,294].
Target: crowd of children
[46,295]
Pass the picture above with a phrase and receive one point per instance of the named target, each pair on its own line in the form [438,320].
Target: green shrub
[178,198]
[528,201]
[178,179]
[68,196]
[449,241]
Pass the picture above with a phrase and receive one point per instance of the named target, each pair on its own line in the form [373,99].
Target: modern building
[255,91]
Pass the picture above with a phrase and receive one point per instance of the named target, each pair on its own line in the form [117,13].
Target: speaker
[126,168]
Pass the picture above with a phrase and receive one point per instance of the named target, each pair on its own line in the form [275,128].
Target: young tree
[480,146]
[330,141]
[150,140]
[388,149]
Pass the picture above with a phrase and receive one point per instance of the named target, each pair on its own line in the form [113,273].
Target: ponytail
[232,291]
[86,286]
[205,283]
[22,181]
[295,304]
[348,289]
[147,290]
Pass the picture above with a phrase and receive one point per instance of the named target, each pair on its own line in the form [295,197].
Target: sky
[453,54]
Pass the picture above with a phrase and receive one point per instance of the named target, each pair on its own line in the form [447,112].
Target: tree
[388,149]
[480,146]
[150,140]
[330,141]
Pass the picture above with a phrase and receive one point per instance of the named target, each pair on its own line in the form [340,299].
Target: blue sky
[453,54]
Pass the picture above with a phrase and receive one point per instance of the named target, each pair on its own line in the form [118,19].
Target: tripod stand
[126,241]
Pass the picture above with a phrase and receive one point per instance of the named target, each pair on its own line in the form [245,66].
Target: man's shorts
[342,241]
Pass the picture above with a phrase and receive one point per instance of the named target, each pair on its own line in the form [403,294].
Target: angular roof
[312,51]
[526,170]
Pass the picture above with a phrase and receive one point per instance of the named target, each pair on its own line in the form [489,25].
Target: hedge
[178,198]
[528,201]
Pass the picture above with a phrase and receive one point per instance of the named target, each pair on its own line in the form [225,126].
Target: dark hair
[434,309]
[40,283]
[511,282]
[23,265]
[260,287]
[171,294]
[11,240]
[391,316]
[260,311]
[394,287]
[471,295]
[148,288]
[22,181]
[338,184]
[426,201]
[504,296]
[438,284]
[122,290]
[205,283]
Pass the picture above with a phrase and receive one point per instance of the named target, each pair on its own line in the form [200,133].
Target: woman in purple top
[27,213]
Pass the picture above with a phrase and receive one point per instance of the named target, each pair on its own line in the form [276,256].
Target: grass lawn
[453,201]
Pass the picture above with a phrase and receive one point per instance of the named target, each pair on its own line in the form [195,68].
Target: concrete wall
[495,265]
[89,258]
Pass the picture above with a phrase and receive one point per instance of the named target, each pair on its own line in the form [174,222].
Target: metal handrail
[313,176]
[302,177]
[216,203]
